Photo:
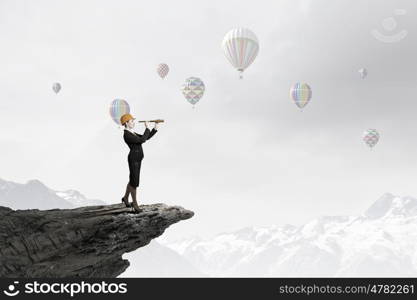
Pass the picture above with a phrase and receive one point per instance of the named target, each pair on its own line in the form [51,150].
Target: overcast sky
[245,155]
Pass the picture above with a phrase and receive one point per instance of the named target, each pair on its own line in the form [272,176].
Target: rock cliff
[82,242]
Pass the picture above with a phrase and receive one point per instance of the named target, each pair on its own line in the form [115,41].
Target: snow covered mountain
[77,199]
[156,260]
[381,242]
[34,194]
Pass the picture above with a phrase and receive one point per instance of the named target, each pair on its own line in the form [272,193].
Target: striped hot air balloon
[118,108]
[301,94]
[193,89]
[241,46]
[56,87]
[371,137]
[162,70]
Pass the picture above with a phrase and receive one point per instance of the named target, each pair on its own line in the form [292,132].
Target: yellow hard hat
[126,118]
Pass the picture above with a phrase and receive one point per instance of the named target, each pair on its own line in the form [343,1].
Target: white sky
[246,155]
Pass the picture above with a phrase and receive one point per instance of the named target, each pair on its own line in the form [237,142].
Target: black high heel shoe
[126,202]
[136,208]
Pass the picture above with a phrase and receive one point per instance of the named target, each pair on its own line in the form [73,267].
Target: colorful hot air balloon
[56,87]
[118,108]
[193,90]
[301,94]
[162,70]
[371,137]
[363,73]
[241,47]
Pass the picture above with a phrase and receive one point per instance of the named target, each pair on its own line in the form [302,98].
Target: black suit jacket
[135,141]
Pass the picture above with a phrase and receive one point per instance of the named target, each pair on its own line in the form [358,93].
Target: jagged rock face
[82,242]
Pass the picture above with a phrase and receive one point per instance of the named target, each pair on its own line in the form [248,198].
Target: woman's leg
[125,198]
[135,203]
[127,192]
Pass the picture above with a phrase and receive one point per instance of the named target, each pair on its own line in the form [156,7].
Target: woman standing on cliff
[134,141]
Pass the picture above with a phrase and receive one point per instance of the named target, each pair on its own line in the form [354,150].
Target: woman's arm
[152,133]
[131,138]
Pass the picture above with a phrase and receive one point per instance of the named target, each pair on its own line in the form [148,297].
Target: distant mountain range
[155,260]
[380,242]
[34,194]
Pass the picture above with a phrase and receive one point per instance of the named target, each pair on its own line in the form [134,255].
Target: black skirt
[134,172]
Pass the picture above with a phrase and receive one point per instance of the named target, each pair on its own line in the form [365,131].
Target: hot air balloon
[301,94]
[240,45]
[118,108]
[363,73]
[371,137]
[193,90]
[56,87]
[162,70]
